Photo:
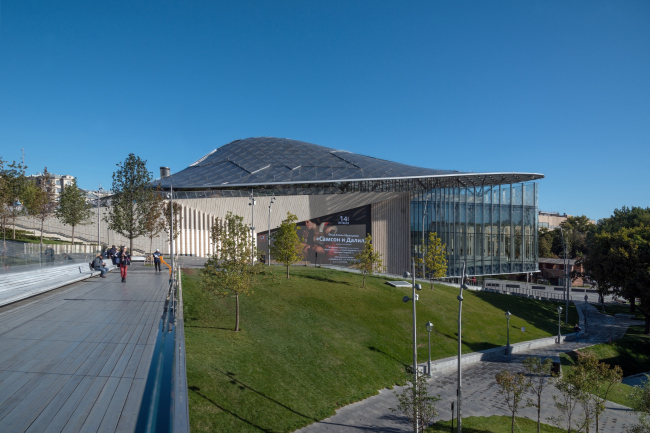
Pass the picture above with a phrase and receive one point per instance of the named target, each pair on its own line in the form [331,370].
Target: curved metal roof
[281,161]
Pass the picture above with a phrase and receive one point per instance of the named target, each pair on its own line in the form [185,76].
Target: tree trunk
[363,286]
[647,324]
[237,313]
[14,227]
[633,305]
[73,237]
[287,272]
[512,428]
[130,245]
[42,223]
[539,411]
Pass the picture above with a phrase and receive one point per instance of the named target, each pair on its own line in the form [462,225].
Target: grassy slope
[494,424]
[631,352]
[318,341]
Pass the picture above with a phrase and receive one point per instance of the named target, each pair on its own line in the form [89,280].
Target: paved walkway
[480,393]
[77,359]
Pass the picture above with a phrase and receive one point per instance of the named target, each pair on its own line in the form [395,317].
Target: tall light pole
[567,292]
[459,416]
[429,327]
[559,323]
[586,298]
[99,192]
[424,215]
[252,202]
[269,232]
[415,287]
[170,196]
[508,314]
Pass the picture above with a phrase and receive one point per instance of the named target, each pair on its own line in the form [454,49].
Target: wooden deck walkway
[77,360]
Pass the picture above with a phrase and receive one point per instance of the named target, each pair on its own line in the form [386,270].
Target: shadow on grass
[243,386]
[326,279]
[543,317]
[196,390]
[209,327]
[374,349]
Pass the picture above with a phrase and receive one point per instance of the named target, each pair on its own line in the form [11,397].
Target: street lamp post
[586,298]
[460,376]
[508,314]
[429,327]
[170,196]
[424,215]
[252,202]
[415,287]
[567,291]
[559,323]
[269,232]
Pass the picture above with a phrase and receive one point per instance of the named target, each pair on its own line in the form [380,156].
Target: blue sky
[554,87]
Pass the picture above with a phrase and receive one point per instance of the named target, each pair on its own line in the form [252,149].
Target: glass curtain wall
[493,229]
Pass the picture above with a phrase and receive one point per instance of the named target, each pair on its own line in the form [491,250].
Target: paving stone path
[480,393]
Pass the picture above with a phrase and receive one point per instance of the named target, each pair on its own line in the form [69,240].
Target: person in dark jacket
[112,253]
[125,261]
[156,259]
[99,265]
[577,330]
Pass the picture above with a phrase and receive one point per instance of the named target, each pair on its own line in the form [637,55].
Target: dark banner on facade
[332,239]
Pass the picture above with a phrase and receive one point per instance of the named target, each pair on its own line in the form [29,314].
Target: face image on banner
[332,239]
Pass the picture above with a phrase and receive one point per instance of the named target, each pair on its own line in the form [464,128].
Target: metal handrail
[165,402]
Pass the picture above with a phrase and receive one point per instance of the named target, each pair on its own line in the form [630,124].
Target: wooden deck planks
[77,360]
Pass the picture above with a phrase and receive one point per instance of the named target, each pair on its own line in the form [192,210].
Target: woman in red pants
[125,261]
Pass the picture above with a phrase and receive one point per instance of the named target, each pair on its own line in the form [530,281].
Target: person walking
[125,260]
[577,330]
[156,260]
[99,265]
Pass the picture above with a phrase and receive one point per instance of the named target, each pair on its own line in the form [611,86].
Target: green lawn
[493,424]
[318,341]
[632,353]
[24,236]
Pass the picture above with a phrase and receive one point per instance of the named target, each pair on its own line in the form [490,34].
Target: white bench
[21,285]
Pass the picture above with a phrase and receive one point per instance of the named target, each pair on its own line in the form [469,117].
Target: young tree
[5,199]
[608,377]
[368,261]
[154,217]
[286,242]
[230,271]
[641,405]
[416,403]
[18,183]
[539,374]
[42,203]
[567,401]
[131,200]
[512,387]
[435,258]
[586,380]
[73,210]
[165,219]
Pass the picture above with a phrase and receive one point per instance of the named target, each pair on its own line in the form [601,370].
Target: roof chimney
[164,172]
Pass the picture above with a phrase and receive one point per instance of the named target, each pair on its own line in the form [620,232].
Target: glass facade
[493,229]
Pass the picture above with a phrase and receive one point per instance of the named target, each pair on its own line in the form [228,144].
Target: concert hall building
[486,220]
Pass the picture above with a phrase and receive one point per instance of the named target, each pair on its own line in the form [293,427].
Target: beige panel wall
[389,213]
[391,232]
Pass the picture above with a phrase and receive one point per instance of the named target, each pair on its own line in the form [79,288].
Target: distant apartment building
[552,220]
[57,182]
